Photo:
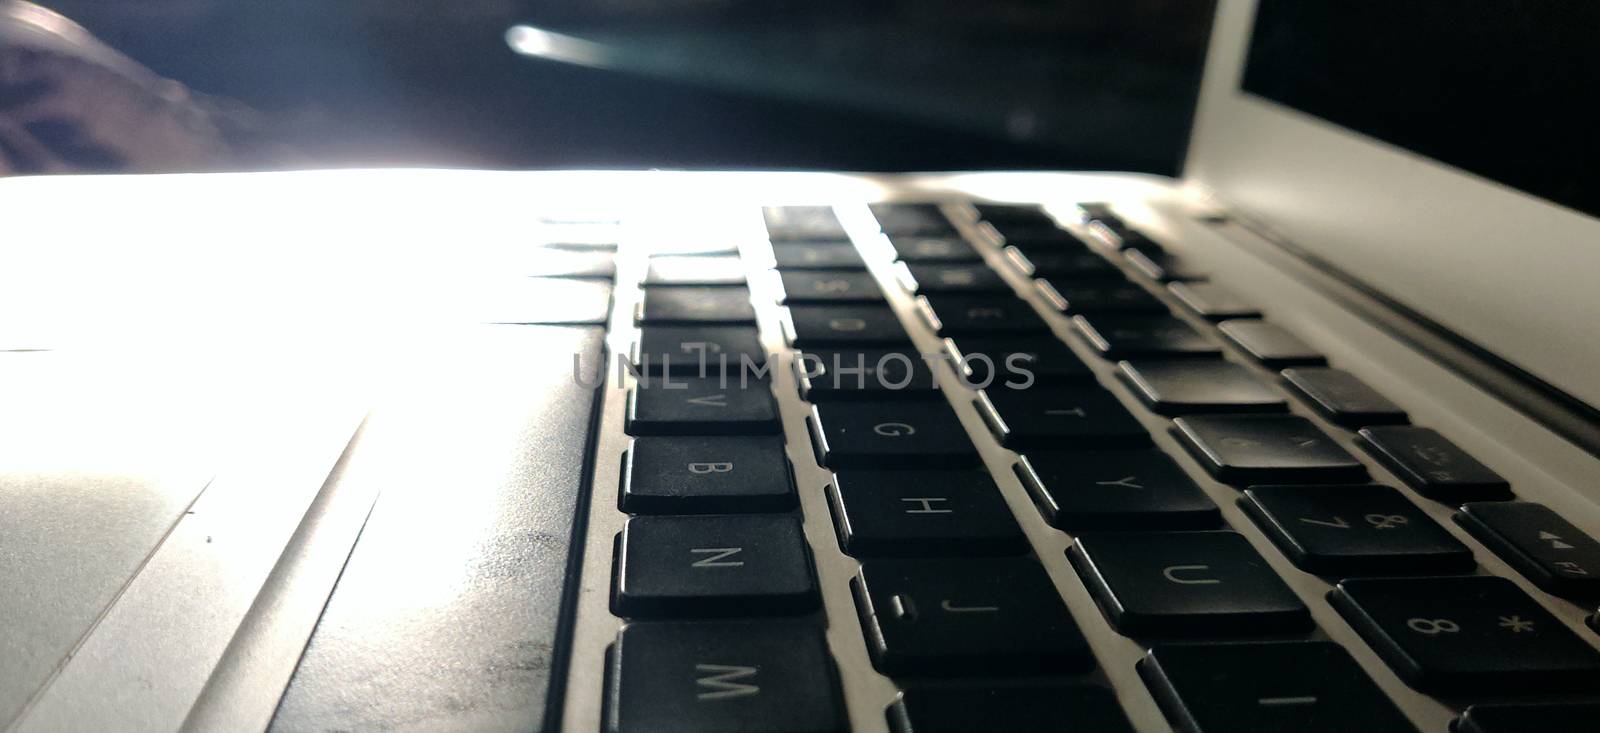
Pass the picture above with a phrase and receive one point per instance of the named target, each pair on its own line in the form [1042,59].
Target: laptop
[1303,440]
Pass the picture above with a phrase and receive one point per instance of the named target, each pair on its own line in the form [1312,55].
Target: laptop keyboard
[713,570]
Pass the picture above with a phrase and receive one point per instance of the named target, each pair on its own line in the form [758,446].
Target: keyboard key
[1036,236]
[1267,687]
[1067,263]
[955,314]
[1031,214]
[699,350]
[1354,530]
[802,222]
[669,304]
[1433,465]
[1572,717]
[828,375]
[934,249]
[890,435]
[1269,344]
[702,406]
[1100,296]
[714,565]
[1032,707]
[1124,337]
[1266,449]
[1109,490]
[551,262]
[1342,398]
[1546,549]
[1187,386]
[822,286]
[705,475]
[695,271]
[846,325]
[966,617]
[915,219]
[760,677]
[985,362]
[1094,211]
[817,256]
[1186,584]
[922,513]
[1212,301]
[953,278]
[537,300]
[1059,418]
[1163,267]
[1466,634]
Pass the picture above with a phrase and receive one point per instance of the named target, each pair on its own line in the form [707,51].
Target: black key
[1354,530]
[1031,707]
[827,375]
[1186,584]
[695,271]
[1212,301]
[1466,634]
[1107,490]
[817,256]
[1270,344]
[956,314]
[1342,398]
[1266,449]
[1036,236]
[1548,550]
[1129,240]
[1061,418]
[1433,465]
[706,474]
[966,617]
[713,565]
[1267,687]
[953,278]
[1070,263]
[538,300]
[1123,337]
[760,677]
[1030,214]
[1100,296]
[890,435]
[551,262]
[1094,211]
[699,350]
[802,223]
[1571,717]
[1188,386]
[847,325]
[915,219]
[985,362]
[822,286]
[733,405]
[934,249]
[723,304]
[922,514]
[1163,267]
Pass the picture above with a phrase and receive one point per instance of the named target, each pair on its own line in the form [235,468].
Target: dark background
[821,84]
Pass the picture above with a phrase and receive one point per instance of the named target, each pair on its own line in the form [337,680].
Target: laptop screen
[1499,88]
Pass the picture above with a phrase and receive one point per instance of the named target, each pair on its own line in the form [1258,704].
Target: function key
[957,278]
[1115,489]
[1546,549]
[733,405]
[1211,301]
[1099,296]
[1059,417]
[699,350]
[890,435]
[954,314]
[1121,337]
[1354,530]
[1265,449]
[822,286]
[1186,386]
[678,304]
[1343,398]
[1434,466]
[713,565]
[817,256]
[1554,717]
[1073,262]
[802,222]
[967,617]
[934,249]
[846,325]
[695,271]
[1466,634]
[985,362]
[706,474]
[1163,267]
[1030,707]
[1186,584]
[915,513]
[913,219]
[828,375]
[1267,687]
[1270,344]
[760,677]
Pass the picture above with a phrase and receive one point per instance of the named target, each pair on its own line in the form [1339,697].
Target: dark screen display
[1506,89]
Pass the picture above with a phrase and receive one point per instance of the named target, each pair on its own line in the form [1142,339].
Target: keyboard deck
[951,467]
